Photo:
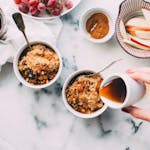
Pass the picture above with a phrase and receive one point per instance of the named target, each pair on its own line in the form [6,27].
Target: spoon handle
[20,24]
[106,67]
[109,65]
[26,39]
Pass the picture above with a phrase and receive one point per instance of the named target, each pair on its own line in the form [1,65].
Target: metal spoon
[106,67]
[20,24]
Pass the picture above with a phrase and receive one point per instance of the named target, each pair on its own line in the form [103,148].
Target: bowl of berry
[44,9]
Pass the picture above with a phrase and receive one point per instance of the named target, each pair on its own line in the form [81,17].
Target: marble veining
[71,21]
[40,124]
[135,126]
[104,132]
[38,120]
[127,148]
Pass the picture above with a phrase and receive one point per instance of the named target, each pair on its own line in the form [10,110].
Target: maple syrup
[115,91]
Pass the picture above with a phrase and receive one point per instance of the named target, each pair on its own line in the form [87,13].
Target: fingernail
[129,71]
[127,109]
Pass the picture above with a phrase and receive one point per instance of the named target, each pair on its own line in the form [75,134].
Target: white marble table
[38,120]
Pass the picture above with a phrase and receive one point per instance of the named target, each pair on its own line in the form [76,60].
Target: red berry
[45,1]
[25,1]
[33,2]
[34,11]
[51,3]
[68,4]
[32,8]
[23,8]
[17,1]
[59,6]
[41,7]
[56,12]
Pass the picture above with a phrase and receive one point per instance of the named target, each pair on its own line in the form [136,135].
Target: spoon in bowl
[106,67]
[17,17]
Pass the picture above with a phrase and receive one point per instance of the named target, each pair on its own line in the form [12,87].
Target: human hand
[142,74]
[138,112]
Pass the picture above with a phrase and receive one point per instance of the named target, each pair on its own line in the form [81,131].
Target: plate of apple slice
[133,27]
[44,9]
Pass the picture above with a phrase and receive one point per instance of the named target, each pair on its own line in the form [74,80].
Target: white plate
[45,15]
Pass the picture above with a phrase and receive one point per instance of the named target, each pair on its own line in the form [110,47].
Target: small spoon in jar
[17,17]
[106,67]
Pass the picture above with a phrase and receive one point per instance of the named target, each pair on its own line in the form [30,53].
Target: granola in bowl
[83,94]
[39,65]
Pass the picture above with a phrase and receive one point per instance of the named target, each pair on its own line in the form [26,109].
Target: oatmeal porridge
[39,65]
[83,94]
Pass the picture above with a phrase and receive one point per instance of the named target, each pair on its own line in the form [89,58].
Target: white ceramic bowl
[127,10]
[19,76]
[87,15]
[43,15]
[70,79]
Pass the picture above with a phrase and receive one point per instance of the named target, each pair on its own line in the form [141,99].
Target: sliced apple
[137,22]
[137,28]
[123,30]
[135,44]
[146,14]
[143,34]
[131,30]
[140,43]
[139,33]
[145,43]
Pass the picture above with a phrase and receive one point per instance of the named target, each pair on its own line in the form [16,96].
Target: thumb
[141,76]
[138,113]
